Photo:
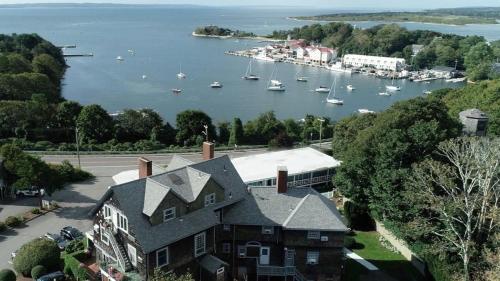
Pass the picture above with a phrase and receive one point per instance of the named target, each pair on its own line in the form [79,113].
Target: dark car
[60,240]
[58,276]
[71,233]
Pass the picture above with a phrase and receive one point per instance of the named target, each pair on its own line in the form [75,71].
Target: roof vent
[175,179]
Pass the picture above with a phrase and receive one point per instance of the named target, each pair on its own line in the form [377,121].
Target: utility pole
[320,130]
[77,140]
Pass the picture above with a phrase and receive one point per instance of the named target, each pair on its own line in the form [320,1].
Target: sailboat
[350,87]
[392,87]
[301,78]
[181,75]
[333,100]
[274,84]
[248,73]
[322,89]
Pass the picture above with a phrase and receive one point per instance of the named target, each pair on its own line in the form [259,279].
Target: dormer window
[209,199]
[169,214]
[122,222]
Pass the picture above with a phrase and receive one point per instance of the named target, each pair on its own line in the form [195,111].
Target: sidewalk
[360,260]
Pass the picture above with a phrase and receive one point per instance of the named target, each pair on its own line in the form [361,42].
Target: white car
[31,192]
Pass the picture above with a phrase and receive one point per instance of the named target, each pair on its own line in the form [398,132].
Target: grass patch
[394,264]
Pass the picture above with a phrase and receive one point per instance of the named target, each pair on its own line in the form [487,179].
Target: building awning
[212,264]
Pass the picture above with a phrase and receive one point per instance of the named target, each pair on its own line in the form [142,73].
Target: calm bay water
[162,41]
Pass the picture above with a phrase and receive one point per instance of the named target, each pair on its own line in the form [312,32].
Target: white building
[301,52]
[306,167]
[383,63]
[322,55]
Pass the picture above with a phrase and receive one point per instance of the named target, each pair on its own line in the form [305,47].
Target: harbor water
[160,43]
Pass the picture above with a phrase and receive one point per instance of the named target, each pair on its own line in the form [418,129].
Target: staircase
[298,276]
[120,252]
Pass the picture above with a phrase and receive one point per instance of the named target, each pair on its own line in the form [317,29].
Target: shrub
[13,221]
[38,271]
[349,242]
[37,252]
[358,217]
[75,246]
[2,226]
[35,211]
[72,267]
[7,275]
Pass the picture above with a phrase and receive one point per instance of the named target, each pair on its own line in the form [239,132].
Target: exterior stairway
[121,254]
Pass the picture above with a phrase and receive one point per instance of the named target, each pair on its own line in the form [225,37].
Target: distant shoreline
[261,38]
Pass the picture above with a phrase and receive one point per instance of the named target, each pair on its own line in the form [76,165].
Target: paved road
[77,199]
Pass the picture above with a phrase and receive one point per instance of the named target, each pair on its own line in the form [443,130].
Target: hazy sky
[380,4]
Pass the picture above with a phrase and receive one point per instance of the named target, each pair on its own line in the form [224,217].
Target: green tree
[223,132]
[67,113]
[479,54]
[160,275]
[133,125]
[7,275]
[94,124]
[38,271]
[49,66]
[18,64]
[37,252]
[190,125]
[236,135]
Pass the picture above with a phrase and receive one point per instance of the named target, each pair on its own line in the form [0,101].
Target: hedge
[37,252]
[13,221]
[7,275]
[38,271]
[72,266]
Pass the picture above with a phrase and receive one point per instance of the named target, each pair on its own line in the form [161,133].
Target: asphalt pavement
[76,200]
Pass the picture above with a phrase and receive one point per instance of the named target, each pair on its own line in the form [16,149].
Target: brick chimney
[145,167]
[282,179]
[208,150]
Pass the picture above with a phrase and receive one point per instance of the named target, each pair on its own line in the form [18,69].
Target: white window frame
[312,257]
[167,253]
[107,211]
[313,235]
[104,234]
[226,248]
[200,247]
[227,227]
[172,214]
[121,222]
[132,254]
[266,229]
[209,199]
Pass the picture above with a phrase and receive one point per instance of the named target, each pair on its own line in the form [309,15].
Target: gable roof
[299,209]
[178,162]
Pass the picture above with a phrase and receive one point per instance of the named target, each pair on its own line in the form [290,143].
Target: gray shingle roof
[178,162]
[299,208]
[186,182]
[211,263]
[154,193]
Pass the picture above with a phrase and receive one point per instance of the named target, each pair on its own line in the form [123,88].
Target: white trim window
[104,236]
[313,235]
[226,248]
[209,199]
[266,229]
[199,244]
[132,254]
[107,211]
[169,214]
[312,257]
[122,222]
[162,257]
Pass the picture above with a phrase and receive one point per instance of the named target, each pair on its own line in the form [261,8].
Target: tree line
[471,53]
[410,168]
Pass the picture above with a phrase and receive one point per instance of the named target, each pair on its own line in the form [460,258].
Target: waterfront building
[306,167]
[322,55]
[382,63]
[441,71]
[203,219]
[474,121]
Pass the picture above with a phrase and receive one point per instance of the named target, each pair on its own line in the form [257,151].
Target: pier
[67,47]
[78,55]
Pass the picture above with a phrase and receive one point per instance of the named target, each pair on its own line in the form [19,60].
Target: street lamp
[320,130]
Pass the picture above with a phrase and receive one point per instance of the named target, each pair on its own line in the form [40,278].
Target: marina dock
[78,55]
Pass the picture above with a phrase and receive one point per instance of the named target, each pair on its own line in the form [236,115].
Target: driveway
[76,200]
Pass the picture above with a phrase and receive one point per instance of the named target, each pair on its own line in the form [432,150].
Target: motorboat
[333,99]
[393,88]
[216,84]
[322,89]
[427,92]
[181,75]
[350,87]
[144,76]
[302,79]
[365,111]
[248,73]
[176,91]
[119,58]
[384,94]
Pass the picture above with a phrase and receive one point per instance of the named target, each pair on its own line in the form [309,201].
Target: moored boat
[216,84]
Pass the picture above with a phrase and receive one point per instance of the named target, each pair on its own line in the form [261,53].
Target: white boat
[176,91]
[302,79]
[350,87]
[427,92]
[274,84]
[119,58]
[216,84]
[456,80]
[392,87]
[322,89]
[264,57]
[181,75]
[384,94]
[248,73]
[333,100]
[144,76]
[365,111]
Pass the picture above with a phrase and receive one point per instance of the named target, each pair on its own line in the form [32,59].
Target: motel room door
[264,255]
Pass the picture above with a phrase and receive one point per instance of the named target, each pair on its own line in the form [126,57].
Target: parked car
[71,233]
[59,239]
[58,276]
[30,192]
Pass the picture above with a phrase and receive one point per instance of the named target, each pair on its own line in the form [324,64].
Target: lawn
[393,264]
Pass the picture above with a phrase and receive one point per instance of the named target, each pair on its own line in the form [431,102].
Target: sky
[339,4]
